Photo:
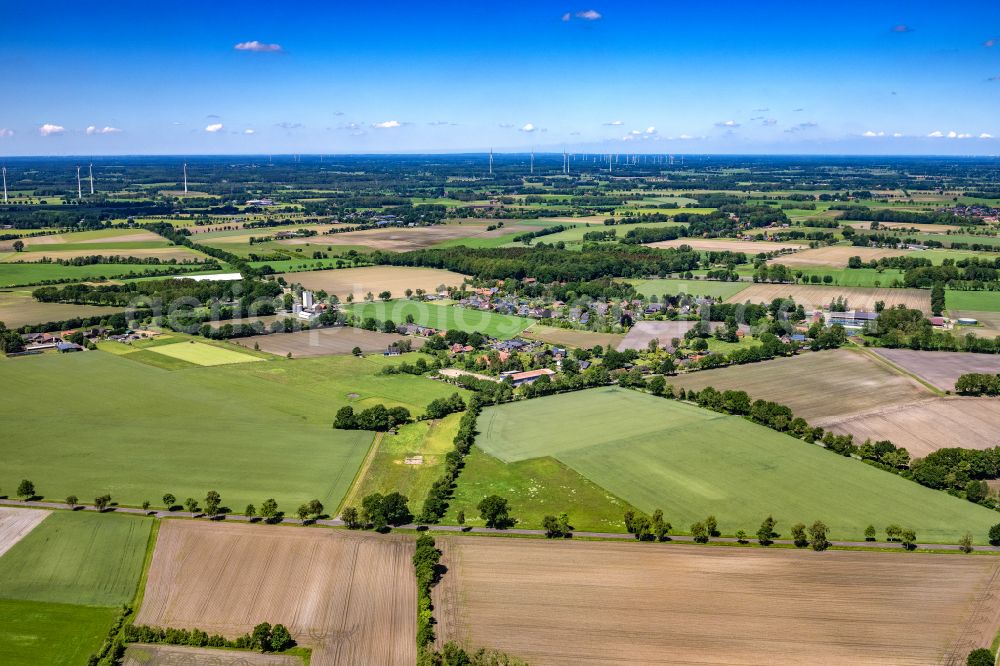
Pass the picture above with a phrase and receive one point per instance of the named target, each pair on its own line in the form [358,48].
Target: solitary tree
[870,533]
[700,533]
[908,539]
[315,508]
[766,533]
[658,526]
[169,501]
[980,657]
[102,502]
[212,503]
[460,518]
[269,510]
[893,532]
[281,639]
[712,526]
[26,489]
[494,511]
[191,504]
[965,543]
[799,535]
[72,500]
[385,295]
[994,536]
[145,505]
[250,512]
[350,517]
[18,246]
[303,512]
[817,536]
[741,536]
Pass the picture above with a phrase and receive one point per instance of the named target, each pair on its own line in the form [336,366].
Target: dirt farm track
[349,596]
[603,603]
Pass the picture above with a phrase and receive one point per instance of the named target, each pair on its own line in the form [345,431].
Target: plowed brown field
[349,596]
[604,603]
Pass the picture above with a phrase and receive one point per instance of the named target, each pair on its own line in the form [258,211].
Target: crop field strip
[571,338]
[375,279]
[817,297]
[202,354]
[141,654]
[349,596]
[443,317]
[712,288]
[941,369]
[324,341]
[406,239]
[666,604]
[658,453]
[16,523]
[835,256]
[723,244]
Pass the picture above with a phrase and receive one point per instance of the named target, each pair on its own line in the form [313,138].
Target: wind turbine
[532,167]
[491,162]
[79,187]
[91,178]
[5,184]
[185,178]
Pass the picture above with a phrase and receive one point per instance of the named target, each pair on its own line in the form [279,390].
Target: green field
[388,471]
[657,453]
[978,301]
[13,275]
[248,430]
[33,633]
[444,317]
[80,558]
[200,353]
[855,277]
[713,288]
[535,487]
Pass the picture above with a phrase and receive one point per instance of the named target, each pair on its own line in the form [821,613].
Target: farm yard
[925,426]
[817,297]
[536,600]
[193,430]
[323,341]
[443,317]
[693,462]
[835,256]
[571,338]
[349,596]
[941,369]
[375,279]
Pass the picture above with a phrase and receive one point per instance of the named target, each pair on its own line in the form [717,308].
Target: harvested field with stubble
[404,239]
[814,385]
[835,256]
[350,596]
[688,604]
[643,332]
[941,369]
[323,341]
[572,338]
[16,523]
[815,296]
[181,254]
[143,654]
[722,244]
[925,426]
[375,279]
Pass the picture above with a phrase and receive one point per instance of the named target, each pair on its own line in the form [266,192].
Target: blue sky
[660,76]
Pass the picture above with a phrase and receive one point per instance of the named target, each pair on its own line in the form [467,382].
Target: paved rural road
[476,530]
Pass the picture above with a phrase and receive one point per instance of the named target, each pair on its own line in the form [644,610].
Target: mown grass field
[978,301]
[444,317]
[690,462]
[13,275]
[713,288]
[33,633]
[200,353]
[248,430]
[431,440]
[17,308]
[80,558]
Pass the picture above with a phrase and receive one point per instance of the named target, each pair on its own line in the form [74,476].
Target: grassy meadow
[33,632]
[248,430]
[657,453]
[443,317]
[712,288]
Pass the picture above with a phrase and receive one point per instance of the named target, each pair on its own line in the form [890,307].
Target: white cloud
[936,134]
[528,127]
[388,124]
[289,126]
[6,133]
[102,130]
[685,136]
[870,134]
[506,125]
[566,17]
[768,122]
[614,123]
[984,135]
[249,131]
[214,127]
[349,126]
[589,15]
[258,47]
[48,129]
[727,123]
[964,136]
[650,130]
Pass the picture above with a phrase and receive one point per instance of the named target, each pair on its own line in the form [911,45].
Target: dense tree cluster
[975,383]
[377,417]
[436,502]
[263,638]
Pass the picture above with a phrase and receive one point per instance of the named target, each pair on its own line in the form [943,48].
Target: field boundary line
[900,371]
[140,592]
[362,472]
